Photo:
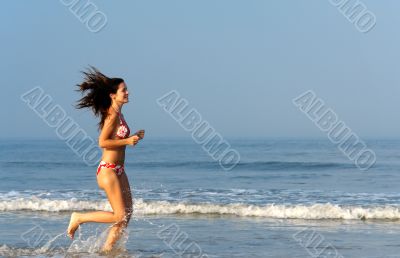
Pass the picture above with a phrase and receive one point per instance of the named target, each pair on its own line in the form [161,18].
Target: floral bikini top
[123,130]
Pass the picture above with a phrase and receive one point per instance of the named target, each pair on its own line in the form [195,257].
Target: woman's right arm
[105,138]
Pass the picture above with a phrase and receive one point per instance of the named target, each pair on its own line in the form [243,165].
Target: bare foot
[73,225]
[106,250]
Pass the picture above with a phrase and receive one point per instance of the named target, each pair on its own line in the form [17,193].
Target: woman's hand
[133,140]
[140,134]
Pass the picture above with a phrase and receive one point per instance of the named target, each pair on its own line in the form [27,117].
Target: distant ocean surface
[282,192]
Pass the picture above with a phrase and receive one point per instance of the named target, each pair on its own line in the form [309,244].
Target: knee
[120,217]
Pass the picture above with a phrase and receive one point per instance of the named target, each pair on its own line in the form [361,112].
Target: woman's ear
[112,95]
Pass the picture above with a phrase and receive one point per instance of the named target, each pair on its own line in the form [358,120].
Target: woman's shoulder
[112,117]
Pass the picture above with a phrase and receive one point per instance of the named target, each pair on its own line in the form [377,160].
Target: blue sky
[239,63]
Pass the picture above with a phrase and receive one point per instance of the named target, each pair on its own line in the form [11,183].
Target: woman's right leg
[117,229]
[108,181]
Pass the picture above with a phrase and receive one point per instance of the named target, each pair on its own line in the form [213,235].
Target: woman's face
[122,95]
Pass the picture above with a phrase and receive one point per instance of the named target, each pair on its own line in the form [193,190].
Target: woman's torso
[121,131]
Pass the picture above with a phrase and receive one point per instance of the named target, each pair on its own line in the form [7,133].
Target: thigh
[126,192]
[108,180]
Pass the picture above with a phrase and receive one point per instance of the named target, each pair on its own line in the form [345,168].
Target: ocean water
[286,198]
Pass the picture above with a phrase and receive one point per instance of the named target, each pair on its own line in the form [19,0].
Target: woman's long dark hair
[96,89]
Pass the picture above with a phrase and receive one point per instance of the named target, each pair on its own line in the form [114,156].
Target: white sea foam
[39,204]
[8,251]
[141,207]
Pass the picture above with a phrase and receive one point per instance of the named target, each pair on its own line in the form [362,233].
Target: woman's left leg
[117,229]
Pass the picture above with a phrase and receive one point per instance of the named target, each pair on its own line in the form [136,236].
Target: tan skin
[116,187]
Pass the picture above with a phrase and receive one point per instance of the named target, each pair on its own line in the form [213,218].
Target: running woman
[105,97]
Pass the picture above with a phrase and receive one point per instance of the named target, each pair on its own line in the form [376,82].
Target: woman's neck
[117,108]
